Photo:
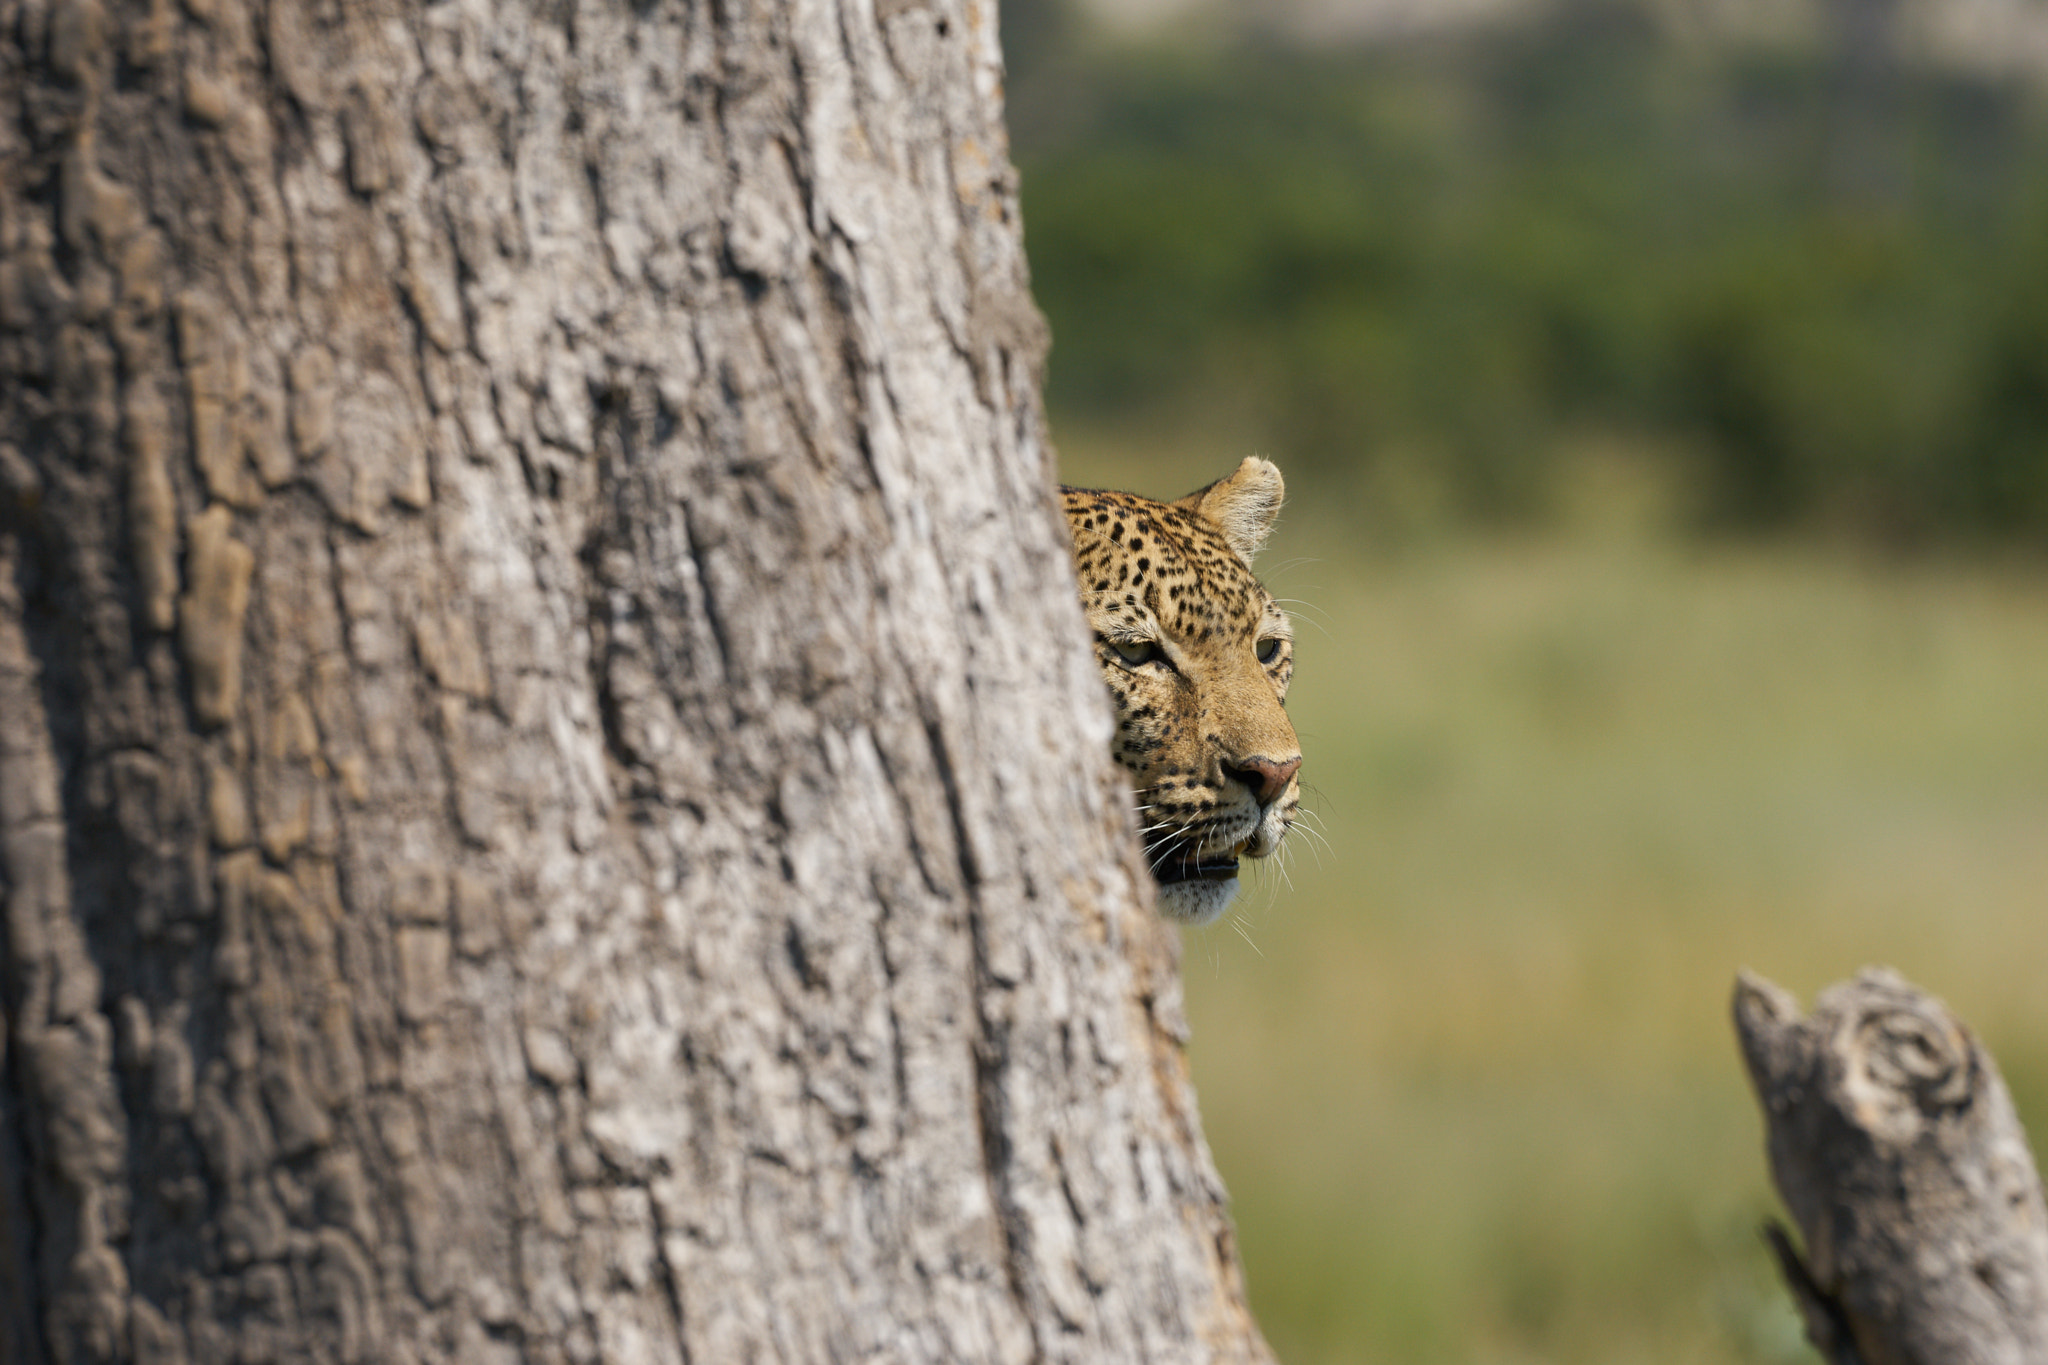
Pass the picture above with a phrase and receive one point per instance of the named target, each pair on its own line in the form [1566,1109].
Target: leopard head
[1197,656]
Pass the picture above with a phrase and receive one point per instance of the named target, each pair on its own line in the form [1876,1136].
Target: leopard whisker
[1158,850]
[1307,607]
[1264,877]
[1311,832]
[1284,565]
[1317,854]
[1237,923]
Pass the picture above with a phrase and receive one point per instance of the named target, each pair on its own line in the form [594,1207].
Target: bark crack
[714,618]
[899,1059]
[963,844]
[671,1281]
[66,1145]
[991,1060]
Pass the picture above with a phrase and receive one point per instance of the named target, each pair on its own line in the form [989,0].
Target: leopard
[1198,657]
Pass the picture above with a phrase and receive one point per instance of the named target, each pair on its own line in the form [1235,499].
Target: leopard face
[1197,656]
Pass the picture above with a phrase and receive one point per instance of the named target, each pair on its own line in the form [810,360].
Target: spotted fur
[1197,656]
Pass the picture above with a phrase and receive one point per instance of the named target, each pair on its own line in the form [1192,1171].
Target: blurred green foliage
[1817,291]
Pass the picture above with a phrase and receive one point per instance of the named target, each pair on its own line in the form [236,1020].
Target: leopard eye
[1269,650]
[1136,652]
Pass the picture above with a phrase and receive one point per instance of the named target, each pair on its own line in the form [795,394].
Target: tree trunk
[553,801]
[1895,1146]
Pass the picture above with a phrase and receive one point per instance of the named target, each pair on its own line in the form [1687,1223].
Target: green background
[1664,428]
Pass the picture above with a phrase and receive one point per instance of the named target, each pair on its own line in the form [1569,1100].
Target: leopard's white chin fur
[1196,903]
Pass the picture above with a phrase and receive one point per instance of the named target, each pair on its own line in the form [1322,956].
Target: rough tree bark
[553,805]
[1895,1145]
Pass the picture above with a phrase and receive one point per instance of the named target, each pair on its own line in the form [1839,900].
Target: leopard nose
[1266,777]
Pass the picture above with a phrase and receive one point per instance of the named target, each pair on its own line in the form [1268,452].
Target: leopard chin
[1196,903]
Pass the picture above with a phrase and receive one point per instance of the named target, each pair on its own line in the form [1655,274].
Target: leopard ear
[1243,506]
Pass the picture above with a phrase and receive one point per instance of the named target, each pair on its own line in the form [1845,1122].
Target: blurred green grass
[1467,1070]
[1813,288]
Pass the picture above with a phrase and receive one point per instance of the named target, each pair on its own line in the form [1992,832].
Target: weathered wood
[1895,1145]
[554,805]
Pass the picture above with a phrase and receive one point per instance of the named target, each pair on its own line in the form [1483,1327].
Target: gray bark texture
[1895,1146]
[554,805]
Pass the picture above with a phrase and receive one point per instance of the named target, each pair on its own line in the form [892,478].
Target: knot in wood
[1929,1057]
[1905,1063]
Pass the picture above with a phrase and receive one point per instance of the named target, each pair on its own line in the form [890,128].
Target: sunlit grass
[1475,1094]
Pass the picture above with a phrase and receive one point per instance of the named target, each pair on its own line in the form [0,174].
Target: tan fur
[1179,625]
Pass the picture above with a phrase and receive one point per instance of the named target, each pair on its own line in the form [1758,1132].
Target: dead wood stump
[1895,1146]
